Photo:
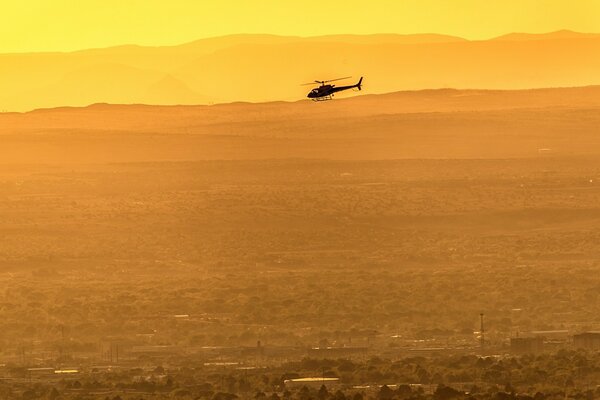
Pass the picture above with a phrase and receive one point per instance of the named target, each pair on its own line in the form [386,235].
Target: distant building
[40,371]
[587,340]
[153,350]
[527,345]
[428,351]
[327,351]
[312,382]
[68,371]
[552,335]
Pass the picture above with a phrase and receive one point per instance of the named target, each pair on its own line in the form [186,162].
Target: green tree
[385,393]
[323,393]
[443,392]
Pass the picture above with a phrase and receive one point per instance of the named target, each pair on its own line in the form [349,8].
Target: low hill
[444,123]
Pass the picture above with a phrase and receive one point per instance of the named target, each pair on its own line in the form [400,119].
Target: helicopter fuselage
[324,92]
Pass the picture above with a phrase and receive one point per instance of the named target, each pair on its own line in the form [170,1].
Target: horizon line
[564,30]
[242,102]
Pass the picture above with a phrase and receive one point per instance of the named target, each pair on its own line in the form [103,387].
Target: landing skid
[323,98]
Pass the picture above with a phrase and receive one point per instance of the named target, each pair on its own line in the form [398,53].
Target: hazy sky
[42,25]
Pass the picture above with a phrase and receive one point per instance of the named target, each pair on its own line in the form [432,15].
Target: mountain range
[260,68]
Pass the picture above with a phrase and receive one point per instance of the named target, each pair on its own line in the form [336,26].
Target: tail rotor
[359,84]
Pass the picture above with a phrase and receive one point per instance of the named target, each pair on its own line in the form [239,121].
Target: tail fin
[359,84]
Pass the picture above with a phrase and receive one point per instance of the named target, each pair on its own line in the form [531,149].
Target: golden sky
[64,25]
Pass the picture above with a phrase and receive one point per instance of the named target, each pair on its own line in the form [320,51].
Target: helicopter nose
[310,95]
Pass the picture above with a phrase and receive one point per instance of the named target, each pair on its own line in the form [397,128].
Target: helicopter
[325,92]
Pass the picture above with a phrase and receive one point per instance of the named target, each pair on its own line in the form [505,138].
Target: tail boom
[359,84]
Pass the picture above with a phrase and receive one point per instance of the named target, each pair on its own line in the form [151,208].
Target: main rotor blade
[323,82]
[338,79]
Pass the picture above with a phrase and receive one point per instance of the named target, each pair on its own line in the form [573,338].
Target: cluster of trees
[299,253]
[298,307]
[565,374]
[417,244]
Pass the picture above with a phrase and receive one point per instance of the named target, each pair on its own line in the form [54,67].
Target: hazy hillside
[422,124]
[200,119]
[210,71]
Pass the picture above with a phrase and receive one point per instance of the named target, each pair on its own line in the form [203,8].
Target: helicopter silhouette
[325,92]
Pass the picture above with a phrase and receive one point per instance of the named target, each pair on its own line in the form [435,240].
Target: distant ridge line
[437,91]
[439,38]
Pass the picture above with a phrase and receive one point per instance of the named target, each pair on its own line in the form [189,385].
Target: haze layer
[265,68]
